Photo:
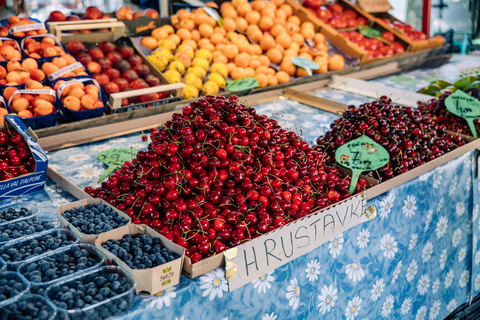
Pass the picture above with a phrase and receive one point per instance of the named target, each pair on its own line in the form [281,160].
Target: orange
[268,12]
[220,47]
[183,14]
[267,42]
[238,73]
[308,33]
[255,35]
[295,47]
[308,25]
[191,43]
[230,13]
[242,24]
[201,18]
[323,63]
[205,30]
[243,9]
[287,8]
[284,40]
[217,53]
[184,34]
[253,17]
[271,6]
[262,80]
[336,62]
[278,3]
[318,38]
[322,47]
[292,28]
[306,55]
[175,38]
[274,55]
[203,41]
[242,60]
[271,71]
[288,67]
[254,64]
[261,69]
[210,47]
[242,45]
[264,60]
[168,28]
[259,5]
[294,19]
[279,48]
[220,30]
[221,59]
[225,6]
[272,80]
[237,3]
[230,67]
[266,23]
[229,24]
[217,38]
[282,77]
[195,35]
[232,36]
[277,29]
[297,38]
[249,72]
[301,73]
[280,14]
[160,34]
[230,51]
[258,49]
[187,24]
[289,53]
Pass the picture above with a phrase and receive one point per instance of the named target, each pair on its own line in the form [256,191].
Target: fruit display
[125,14]
[410,138]
[28,307]
[117,68]
[15,160]
[335,15]
[218,174]
[9,50]
[78,96]
[31,104]
[11,284]
[140,251]
[103,292]
[24,227]
[14,22]
[11,213]
[19,72]
[375,47]
[42,47]
[94,218]
[91,13]
[406,29]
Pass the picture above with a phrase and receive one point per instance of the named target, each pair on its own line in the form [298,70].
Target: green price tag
[372,33]
[465,106]
[115,158]
[214,14]
[359,155]
[305,64]
[242,84]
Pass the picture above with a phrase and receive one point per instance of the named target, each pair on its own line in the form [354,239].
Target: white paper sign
[66,84]
[274,249]
[32,91]
[57,74]
[27,27]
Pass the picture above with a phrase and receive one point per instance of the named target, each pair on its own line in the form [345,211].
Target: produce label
[359,155]
[32,91]
[372,33]
[255,258]
[65,70]
[27,27]
[305,64]
[465,106]
[115,158]
[66,84]
[242,84]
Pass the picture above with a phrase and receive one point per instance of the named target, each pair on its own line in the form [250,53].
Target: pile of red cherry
[410,138]
[218,174]
[15,156]
[436,110]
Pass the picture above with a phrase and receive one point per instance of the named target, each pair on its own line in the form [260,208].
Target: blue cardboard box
[31,182]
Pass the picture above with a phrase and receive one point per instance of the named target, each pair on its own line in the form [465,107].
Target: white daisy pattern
[423,284]
[386,205]
[363,238]
[424,177]
[293,294]
[88,171]
[437,179]
[440,204]
[459,209]
[429,219]
[181,318]
[412,270]
[308,124]
[79,157]
[464,277]
[389,246]
[55,166]
[406,306]
[214,284]
[453,186]
[336,245]
[387,306]
[163,298]
[118,140]
[477,282]
[468,184]
[475,212]
[263,283]
[289,117]
[396,271]
[421,313]
[271,316]
[442,225]
[413,241]
[435,286]
[443,259]
[434,310]
[327,299]
[427,251]
[449,279]
[59,202]
[353,306]
[452,305]
[377,290]
[101,147]
[409,206]
[313,270]
[462,254]
[354,272]
[477,257]
[457,235]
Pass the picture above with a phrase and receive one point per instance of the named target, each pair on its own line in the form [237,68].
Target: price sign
[465,106]
[372,33]
[115,158]
[242,84]
[359,155]
[305,64]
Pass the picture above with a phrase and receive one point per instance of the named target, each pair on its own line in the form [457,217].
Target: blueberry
[79,303]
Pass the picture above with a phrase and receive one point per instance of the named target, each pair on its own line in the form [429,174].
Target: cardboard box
[151,280]
[31,182]
[84,238]
[143,26]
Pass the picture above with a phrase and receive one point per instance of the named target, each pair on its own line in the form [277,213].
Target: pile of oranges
[270,35]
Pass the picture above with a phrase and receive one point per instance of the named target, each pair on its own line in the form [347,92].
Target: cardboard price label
[27,27]
[242,84]
[114,158]
[305,64]
[359,155]
[372,33]
[465,106]
[57,74]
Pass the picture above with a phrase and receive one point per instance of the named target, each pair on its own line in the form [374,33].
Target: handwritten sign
[306,64]
[242,84]
[359,155]
[115,158]
[465,106]
[255,258]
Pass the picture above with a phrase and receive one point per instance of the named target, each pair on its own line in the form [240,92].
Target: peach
[60,62]
[13,19]
[33,85]
[19,104]
[3,32]
[13,65]
[25,114]
[13,77]
[37,75]
[94,67]
[24,74]
[75,47]
[29,64]
[49,52]
[35,56]
[72,103]
[56,16]
[88,101]
[48,68]
[9,92]
[124,13]
[8,52]
[93,13]
[77,93]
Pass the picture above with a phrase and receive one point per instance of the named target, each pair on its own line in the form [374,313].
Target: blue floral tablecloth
[419,259]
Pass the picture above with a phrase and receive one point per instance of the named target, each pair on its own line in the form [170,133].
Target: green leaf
[372,33]
[463,83]
[465,106]
[306,64]
[115,158]
[475,84]
[164,283]
[430,90]
[441,83]
[242,84]
[451,89]
[167,269]
[359,155]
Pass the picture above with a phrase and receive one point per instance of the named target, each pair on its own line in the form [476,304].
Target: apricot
[13,77]
[92,87]
[35,56]
[33,85]
[47,97]
[48,68]
[48,40]
[37,75]
[9,92]
[29,97]
[8,52]
[76,92]
[24,74]
[3,72]
[25,114]
[13,65]
[13,19]
[20,104]
[336,62]
[262,80]
[72,103]
[88,101]
[70,60]
[99,104]
[49,52]
[29,64]
[60,62]
[92,92]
